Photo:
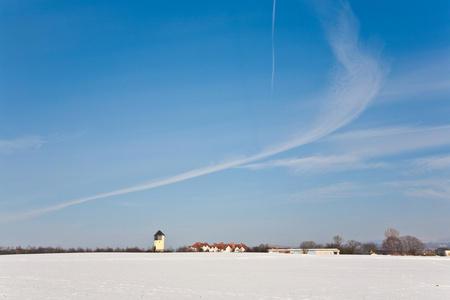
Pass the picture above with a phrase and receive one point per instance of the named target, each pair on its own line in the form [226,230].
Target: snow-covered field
[222,276]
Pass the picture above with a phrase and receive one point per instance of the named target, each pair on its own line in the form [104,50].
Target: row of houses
[205,247]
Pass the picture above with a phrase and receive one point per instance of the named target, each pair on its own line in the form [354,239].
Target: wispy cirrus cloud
[423,75]
[422,189]
[441,193]
[27,143]
[319,164]
[438,188]
[325,194]
[392,131]
[35,142]
[357,77]
[431,163]
[358,150]
[383,142]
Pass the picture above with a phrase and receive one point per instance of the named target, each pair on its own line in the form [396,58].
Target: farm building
[277,249]
[325,251]
[443,251]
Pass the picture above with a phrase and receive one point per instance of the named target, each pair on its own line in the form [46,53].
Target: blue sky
[119,119]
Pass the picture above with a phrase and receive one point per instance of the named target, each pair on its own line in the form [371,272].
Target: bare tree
[391,232]
[412,245]
[392,245]
[368,248]
[308,245]
[352,247]
[260,248]
[338,240]
[186,249]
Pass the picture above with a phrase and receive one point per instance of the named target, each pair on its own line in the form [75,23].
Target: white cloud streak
[325,194]
[393,132]
[438,189]
[355,83]
[389,141]
[27,143]
[432,163]
[422,76]
[318,164]
[364,145]
[443,193]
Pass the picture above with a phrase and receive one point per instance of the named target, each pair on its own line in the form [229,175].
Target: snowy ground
[222,276]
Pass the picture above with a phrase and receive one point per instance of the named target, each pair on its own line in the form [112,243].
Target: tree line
[393,244]
[41,250]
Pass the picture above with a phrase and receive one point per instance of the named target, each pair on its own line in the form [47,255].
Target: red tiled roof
[199,245]
[220,246]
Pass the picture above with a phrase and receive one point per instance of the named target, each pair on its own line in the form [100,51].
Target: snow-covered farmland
[222,276]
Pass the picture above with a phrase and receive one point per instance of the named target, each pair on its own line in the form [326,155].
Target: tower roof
[159,233]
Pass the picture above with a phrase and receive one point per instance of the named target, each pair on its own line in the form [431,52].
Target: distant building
[279,249]
[159,241]
[326,251]
[205,247]
[379,252]
[442,251]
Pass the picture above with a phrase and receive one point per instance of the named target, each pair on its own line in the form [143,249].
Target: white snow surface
[222,276]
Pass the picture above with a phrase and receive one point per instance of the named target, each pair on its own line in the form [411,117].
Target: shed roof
[159,233]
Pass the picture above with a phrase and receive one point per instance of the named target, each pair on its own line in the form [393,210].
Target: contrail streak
[273,47]
[355,83]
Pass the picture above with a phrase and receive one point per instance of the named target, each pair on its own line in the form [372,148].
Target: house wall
[159,245]
[442,252]
[328,252]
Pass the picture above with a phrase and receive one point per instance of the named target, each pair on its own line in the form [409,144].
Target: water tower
[159,241]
